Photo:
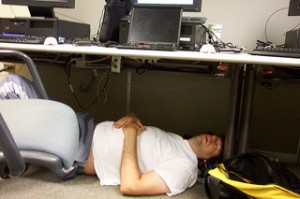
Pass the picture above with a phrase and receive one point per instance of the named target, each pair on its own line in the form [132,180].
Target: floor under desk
[39,182]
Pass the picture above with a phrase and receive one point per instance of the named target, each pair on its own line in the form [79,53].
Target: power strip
[116,64]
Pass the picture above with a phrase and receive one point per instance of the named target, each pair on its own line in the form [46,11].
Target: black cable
[263,44]
[67,70]
[76,98]
[218,43]
[87,83]
[106,75]
[210,37]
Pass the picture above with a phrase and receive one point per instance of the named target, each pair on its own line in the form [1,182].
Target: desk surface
[242,58]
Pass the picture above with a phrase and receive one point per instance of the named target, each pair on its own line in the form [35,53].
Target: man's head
[206,146]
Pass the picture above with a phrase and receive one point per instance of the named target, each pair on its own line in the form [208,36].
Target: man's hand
[133,128]
[130,118]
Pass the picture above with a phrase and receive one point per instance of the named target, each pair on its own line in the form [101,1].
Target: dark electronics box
[44,27]
[191,36]
[292,39]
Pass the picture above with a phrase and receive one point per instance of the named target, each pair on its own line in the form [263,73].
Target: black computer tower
[44,27]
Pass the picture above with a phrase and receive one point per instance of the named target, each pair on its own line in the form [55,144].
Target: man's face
[210,145]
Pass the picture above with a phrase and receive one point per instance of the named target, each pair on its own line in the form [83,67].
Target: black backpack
[114,10]
[251,175]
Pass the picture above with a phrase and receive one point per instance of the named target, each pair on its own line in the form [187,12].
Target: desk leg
[128,92]
[247,104]
[233,111]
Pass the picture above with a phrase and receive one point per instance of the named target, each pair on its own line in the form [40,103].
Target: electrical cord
[67,63]
[105,76]
[263,44]
[266,24]
[209,33]
[87,83]
[214,40]
[67,70]
[76,98]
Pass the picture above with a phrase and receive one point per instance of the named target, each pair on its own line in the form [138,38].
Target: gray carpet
[42,184]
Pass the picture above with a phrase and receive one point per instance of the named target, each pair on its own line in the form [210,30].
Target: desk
[238,61]
[242,58]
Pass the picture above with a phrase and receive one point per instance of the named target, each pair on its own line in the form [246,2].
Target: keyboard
[148,47]
[277,52]
[24,40]
[194,20]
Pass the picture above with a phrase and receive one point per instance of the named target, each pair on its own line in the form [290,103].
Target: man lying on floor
[146,160]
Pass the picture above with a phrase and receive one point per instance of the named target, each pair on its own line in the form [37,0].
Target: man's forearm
[133,182]
[130,172]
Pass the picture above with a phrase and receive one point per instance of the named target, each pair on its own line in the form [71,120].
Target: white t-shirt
[168,154]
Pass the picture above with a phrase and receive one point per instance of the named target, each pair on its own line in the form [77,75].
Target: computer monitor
[42,8]
[294,8]
[155,25]
[186,5]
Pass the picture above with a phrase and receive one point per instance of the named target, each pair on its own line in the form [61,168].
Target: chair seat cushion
[43,125]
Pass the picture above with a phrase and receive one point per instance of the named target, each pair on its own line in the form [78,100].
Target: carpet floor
[40,183]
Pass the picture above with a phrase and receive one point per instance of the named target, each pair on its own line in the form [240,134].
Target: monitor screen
[294,8]
[42,8]
[186,5]
[155,25]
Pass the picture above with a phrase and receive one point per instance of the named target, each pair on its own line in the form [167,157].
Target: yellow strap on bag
[270,191]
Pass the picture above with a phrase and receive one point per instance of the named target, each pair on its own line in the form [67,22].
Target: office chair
[37,131]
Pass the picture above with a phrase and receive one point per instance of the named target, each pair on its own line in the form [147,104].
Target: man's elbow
[128,189]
